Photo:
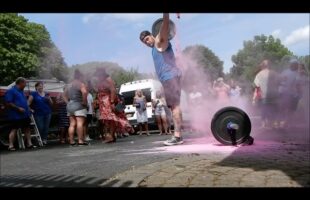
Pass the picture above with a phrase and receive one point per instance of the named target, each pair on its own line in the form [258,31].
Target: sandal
[109,141]
[73,144]
[31,147]
[11,149]
[83,144]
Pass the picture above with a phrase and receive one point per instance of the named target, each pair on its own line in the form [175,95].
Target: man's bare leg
[28,137]
[177,120]
[12,137]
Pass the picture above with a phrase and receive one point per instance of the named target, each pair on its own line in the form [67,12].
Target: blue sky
[115,37]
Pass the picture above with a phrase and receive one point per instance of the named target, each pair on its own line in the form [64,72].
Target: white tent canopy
[50,85]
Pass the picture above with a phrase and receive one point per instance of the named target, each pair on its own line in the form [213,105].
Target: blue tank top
[40,105]
[165,64]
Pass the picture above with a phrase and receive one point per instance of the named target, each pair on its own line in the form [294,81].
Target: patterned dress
[106,112]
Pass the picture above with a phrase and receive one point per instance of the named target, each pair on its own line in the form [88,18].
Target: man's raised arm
[163,36]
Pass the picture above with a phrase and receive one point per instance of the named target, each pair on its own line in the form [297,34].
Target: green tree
[200,65]
[89,69]
[18,48]
[254,51]
[306,61]
[125,76]
[205,59]
[117,73]
[52,64]
[25,50]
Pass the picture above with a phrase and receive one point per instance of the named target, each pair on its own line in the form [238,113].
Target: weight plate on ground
[230,136]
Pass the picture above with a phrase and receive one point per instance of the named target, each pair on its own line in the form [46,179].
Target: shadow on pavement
[52,181]
[289,155]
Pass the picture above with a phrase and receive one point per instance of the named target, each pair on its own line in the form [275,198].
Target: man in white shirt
[266,81]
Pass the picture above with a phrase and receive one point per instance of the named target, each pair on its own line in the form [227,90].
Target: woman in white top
[159,104]
[140,103]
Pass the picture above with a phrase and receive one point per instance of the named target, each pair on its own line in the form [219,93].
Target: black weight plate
[157,24]
[234,115]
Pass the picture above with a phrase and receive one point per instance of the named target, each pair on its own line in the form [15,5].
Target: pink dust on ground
[206,145]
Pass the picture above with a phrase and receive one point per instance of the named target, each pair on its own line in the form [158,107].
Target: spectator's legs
[40,124]
[293,108]
[46,125]
[140,129]
[264,115]
[72,129]
[165,125]
[88,122]
[85,130]
[146,128]
[28,136]
[12,137]
[284,107]
[159,124]
[104,129]
[113,129]
[271,115]
[80,128]
[110,131]
[62,135]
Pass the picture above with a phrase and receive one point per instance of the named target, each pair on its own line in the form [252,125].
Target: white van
[149,88]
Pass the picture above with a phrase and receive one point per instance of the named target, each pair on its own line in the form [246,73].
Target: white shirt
[195,95]
[267,81]
[90,104]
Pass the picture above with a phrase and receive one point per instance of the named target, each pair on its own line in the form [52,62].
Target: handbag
[120,107]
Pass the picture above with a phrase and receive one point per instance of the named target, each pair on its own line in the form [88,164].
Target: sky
[114,37]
